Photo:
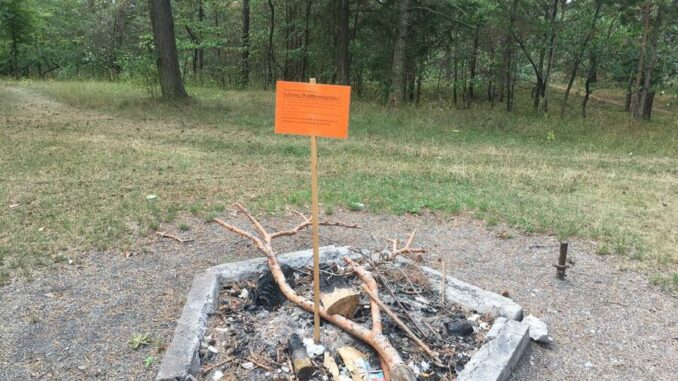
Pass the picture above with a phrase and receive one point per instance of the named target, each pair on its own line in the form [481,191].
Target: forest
[455,52]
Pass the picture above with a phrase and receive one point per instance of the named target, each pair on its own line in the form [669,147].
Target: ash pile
[256,334]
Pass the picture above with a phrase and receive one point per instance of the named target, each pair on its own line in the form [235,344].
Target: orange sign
[311,109]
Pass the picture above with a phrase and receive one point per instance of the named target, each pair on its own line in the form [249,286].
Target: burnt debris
[267,294]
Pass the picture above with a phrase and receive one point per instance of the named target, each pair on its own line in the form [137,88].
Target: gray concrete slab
[470,296]
[495,360]
[181,358]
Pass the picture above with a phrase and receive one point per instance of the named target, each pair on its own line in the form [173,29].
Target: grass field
[78,160]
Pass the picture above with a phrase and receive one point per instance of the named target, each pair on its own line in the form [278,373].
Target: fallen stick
[166,235]
[410,334]
[220,363]
[384,282]
[370,283]
[405,249]
[260,365]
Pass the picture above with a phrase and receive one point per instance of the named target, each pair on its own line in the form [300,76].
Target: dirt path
[602,99]
[73,320]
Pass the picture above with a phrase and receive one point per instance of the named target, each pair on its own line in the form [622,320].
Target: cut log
[331,366]
[337,296]
[303,367]
[355,363]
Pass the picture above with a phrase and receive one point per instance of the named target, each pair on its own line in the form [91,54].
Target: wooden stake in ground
[296,113]
[315,233]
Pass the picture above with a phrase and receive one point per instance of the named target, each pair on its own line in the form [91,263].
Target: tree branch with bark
[393,365]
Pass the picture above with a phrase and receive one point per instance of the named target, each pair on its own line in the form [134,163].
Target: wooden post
[316,236]
[562,261]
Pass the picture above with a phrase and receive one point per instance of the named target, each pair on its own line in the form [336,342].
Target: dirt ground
[73,321]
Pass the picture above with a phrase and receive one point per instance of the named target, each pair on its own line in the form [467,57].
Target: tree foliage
[463,50]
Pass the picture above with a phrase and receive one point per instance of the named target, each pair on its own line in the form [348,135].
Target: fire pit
[229,331]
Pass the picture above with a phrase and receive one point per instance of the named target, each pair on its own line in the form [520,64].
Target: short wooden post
[562,261]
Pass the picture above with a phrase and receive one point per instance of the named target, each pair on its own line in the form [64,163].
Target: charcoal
[267,294]
[459,328]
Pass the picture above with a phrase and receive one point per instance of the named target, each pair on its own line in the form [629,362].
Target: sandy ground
[74,321]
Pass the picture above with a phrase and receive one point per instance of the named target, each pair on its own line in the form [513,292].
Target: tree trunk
[647,110]
[410,70]
[539,86]
[635,90]
[455,78]
[590,79]
[399,49]
[579,56]
[15,54]
[270,58]
[245,70]
[552,49]
[307,21]
[162,24]
[196,41]
[474,62]
[201,50]
[647,76]
[343,38]
[507,85]
[629,94]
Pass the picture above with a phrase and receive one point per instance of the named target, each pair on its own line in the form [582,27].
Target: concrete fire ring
[493,361]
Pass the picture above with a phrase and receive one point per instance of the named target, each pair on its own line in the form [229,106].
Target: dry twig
[259,364]
[384,282]
[167,235]
[408,331]
[217,365]
[370,284]
[405,249]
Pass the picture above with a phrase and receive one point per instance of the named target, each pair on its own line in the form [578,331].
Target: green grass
[81,173]
[665,282]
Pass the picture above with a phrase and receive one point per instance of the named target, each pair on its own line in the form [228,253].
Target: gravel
[74,321]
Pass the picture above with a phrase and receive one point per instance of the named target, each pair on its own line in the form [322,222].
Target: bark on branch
[395,251]
[391,360]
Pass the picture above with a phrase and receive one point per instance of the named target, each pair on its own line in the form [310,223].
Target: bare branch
[167,235]
[409,240]
[391,360]
[384,282]
[307,222]
[256,241]
[264,234]
[369,281]
[405,249]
